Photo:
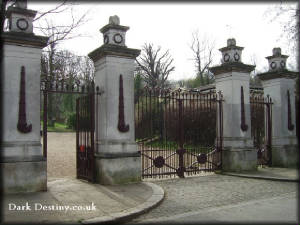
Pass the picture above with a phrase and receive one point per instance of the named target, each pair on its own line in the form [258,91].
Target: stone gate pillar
[117,157]
[232,78]
[23,166]
[279,84]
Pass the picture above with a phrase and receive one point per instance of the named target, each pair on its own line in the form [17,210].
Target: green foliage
[71,120]
[58,127]
[138,81]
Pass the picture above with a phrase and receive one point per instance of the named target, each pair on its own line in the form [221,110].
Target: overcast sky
[170,25]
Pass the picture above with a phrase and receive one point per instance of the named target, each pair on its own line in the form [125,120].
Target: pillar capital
[113,32]
[114,42]
[20,29]
[20,18]
[231,60]
[277,67]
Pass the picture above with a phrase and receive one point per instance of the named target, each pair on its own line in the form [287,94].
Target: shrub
[71,121]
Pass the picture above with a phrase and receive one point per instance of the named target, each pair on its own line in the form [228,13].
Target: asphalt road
[224,199]
[281,209]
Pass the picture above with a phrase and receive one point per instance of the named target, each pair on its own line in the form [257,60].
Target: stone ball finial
[231,42]
[276,51]
[21,4]
[115,20]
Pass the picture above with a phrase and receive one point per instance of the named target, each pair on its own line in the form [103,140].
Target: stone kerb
[117,157]
[279,83]
[232,79]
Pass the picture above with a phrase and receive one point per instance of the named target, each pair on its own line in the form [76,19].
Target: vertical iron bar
[77,138]
[45,108]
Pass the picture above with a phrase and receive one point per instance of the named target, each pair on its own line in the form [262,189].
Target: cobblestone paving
[196,193]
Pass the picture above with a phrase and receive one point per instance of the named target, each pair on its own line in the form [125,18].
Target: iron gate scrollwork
[179,132]
[261,126]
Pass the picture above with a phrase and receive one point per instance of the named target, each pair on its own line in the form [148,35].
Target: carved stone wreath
[282,64]
[226,57]
[273,65]
[105,39]
[22,24]
[236,56]
[118,38]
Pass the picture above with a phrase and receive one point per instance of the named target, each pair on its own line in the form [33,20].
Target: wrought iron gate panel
[85,121]
[177,132]
[85,128]
[261,126]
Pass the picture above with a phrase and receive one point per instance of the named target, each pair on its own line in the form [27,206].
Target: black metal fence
[261,126]
[179,132]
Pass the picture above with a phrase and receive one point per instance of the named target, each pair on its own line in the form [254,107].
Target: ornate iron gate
[261,126]
[85,122]
[85,128]
[178,132]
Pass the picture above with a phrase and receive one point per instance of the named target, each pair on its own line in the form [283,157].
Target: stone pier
[279,84]
[232,79]
[117,157]
[23,167]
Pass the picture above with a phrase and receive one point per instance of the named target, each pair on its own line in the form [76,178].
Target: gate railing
[177,131]
[61,87]
[261,126]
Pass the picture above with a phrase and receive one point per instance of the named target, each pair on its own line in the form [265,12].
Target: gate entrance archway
[179,132]
[85,123]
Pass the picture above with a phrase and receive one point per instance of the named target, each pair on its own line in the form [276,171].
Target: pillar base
[18,177]
[285,156]
[239,159]
[116,169]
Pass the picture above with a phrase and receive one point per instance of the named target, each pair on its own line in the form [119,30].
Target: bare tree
[288,15]
[155,67]
[57,31]
[202,56]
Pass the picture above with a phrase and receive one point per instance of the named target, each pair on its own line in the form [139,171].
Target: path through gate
[85,122]
[261,126]
[179,132]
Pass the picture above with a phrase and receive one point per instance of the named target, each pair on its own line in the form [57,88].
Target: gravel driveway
[61,153]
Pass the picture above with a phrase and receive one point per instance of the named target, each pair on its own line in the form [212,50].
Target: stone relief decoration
[244,126]
[282,64]
[277,62]
[106,39]
[231,53]
[226,57]
[236,57]
[22,24]
[290,125]
[113,32]
[273,65]
[22,124]
[121,123]
[118,38]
